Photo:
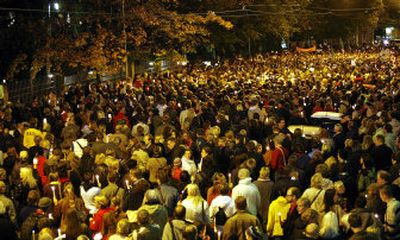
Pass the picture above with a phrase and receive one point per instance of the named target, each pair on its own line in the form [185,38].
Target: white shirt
[189,166]
[194,213]
[224,202]
[88,198]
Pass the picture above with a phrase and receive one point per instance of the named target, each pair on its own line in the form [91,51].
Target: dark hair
[143,217]
[328,199]
[184,176]
[384,175]
[224,190]
[33,197]
[240,203]
[387,190]
[388,128]
[355,220]
[295,191]
[368,161]
[380,138]
[360,202]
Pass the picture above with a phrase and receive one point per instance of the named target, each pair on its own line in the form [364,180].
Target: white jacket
[189,166]
[224,202]
[249,191]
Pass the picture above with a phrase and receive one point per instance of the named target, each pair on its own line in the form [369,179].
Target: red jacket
[279,158]
[40,169]
[120,117]
[97,223]
[176,173]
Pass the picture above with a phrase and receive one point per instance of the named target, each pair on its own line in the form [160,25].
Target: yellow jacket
[29,137]
[277,214]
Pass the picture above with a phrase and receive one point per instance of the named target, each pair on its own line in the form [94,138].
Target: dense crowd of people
[204,152]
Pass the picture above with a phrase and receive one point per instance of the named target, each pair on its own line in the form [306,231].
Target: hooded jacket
[278,211]
[250,191]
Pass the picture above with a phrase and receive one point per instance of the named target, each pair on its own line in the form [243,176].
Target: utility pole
[125,39]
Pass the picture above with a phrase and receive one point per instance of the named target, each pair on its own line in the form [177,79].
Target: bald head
[180,212]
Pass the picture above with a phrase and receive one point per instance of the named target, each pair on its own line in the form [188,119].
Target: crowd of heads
[169,155]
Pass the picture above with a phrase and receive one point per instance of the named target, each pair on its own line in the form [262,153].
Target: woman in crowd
[196,206]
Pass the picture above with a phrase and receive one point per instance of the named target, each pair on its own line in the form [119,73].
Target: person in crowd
[265,186]
[222,202]
[157,213]
[248,190]
[7,203]
[6,225]
[236,226]
[329,227]
[168,193]
[280,155]
[278,213]
[392,215]
[292,196]
[175,228]
[73,225]
[103,207]
[123,230]
[188,163]
[219,180]
[112,189]
[315,194]
[196,207]
[155,162]
[381,154]
[145,229]
[134,196]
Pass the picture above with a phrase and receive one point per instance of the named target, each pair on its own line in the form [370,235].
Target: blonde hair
[367,142]
[193,192]
[243,173]
[316,180]
[264,173]
[123,227]
[331,162]
[26,176]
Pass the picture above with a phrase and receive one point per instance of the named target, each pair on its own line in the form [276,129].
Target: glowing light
[207,63]
[56,6]
[389,30]
[385,42]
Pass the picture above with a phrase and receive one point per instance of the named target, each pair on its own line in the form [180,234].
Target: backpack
[220,217]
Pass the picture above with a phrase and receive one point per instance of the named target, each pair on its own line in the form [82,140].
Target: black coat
[382,156]
[7,228]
